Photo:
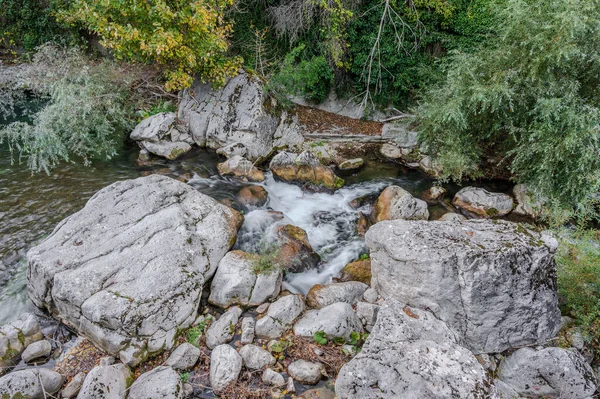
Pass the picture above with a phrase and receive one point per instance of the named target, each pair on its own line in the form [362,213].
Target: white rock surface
[305,372]
[337,321]
[479,202]
[30,384]
[225,367]
[106,382]
[74,386]
[255,357]
[272,378]
[397,203]
[15,337]
[222,331]
[280,317]
[322,295]
[184,357]
[36,350]
[159,383]
[248,324]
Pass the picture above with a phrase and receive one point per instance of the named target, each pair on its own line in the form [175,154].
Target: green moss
[492,212]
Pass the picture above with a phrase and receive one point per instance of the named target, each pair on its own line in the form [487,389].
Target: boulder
[159,383]
[304,169]
[239,166]
[305,372]
[279,317]
[351,164]
[430,167]
[74,386]
[549,373]
[155,128]
[273,378]
[336,321]
[15,337]
[451,216]
[222,331]
[184,357]
[397,203]
[411,354]
[528,203]
[30,384]
[252,196]
[225,367]
[321,295]
[237,113]
[168,150]
[493,282]
[255,357]
[232,150]
[371,295]
[127,270]
[359,270]
[240,281]
[161,135]
[36,350]
[390,151]
[294,252]
[248,324]
[478,202]
[367,314]
[434,194]
[106,382]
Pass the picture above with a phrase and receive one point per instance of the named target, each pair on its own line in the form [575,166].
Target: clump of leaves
[184,377]
[267,261]
[320,337]
[162,106]
[364,257]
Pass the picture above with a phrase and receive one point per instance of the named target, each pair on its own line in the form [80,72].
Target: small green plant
[339,340]
[163,106]
[320,337]
[278,348]
[364,257]
[194,334]
[267,261]
[184,377]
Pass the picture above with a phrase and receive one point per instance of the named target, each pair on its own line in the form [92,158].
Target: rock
[30,384]
[279,317]
[232,150]
[188,390]
[295,254]
[321,295]
[127,270]
[222,331]
[15,337]
[390,151]
[159,135]
[273,378]
[106,361]
[351,164]
[304,169]
[575,338]
[397,203]
[239,166]
[430,167]
[359,270]
[290,387]
[452,217]
[337,321]
[184,357]
[159,383]
[362,224]
[504,391]
[411,354]
[479,202]
[252,196]
[305,372]
[168,150]
[549,372]
[225,367]
[488,362]
[493,282]
[238,281]
[36,350]
[255,357]
[248,324]
[72,388]
[371,295]
[108,382]
[434,194]
[367,314]
[236,113]
[528,203]
[155,128]
[263,308]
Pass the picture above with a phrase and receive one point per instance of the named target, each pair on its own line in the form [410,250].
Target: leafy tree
[184,37]
[531,93]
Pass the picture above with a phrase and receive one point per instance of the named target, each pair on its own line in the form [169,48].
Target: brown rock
[304,169]
[362,224]
[239,166]
[255,196]
[397,203]
[434,194]
[295,253]
[359,270]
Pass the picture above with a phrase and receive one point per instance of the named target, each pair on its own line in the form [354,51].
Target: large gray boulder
[304,169]
[15,337]
[397,203]
[239,282]
[106,382]
[321,295]
[127,270]
[237,113]
[159,383]
[412,354]
[30,384]
[493,282]
[279,317]
[478,202]
[161,135]
[548,373]
[336,321]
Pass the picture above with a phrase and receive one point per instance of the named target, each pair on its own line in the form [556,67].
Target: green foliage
[267,261]
[579,283]
[194,334]
[530,93]
[184,377]
[364,257]
[162,106]
[320,337]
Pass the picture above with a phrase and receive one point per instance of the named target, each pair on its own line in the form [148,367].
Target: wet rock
[304,169]
[336,321]
[159,383]
[239,281]
[248,325]
[295,254]
[279,317]
[362,224]
[371,295]
[367,314]
[15,337]
[236,113]
[351,164]
[225,367]
[168,150]
[233,149]
[127,270]
[434,194]
[452,217]
[390,151]
[411,354]
[255,357]
[72,388]
[154,128]
[109,382]
[273,378]
[252,196]
[321,295]
[239,166]
[30,384]
[430,167]
[549,372]
[479,202]
[222,331]
[528,203]
[493,282]
[184,357]
[359,270]
[305,372]
[160,135]
[36,350]
[397,203]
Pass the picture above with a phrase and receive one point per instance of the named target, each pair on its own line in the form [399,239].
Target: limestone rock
[248,325]
[493,282]
[434,194]
[305,372]
[159,383]
[337,321]
[255,357]
[239,166]
[371,295]
[225,367]
[481,203]
[169,150]
[397,203]
[351,164]
[127,270]
[452,217]
[160,135]
[390,151]
[304,169]
[295,254]
[272,378]
[238,282]
[184,357]
[359,270]
[106,382]
[15,337]
[549,373]
[222,331]
[528,203]
[321,295]
[36,350]
[30,384]
[72,388]
[367,314]
[279,317]
[232,150]
[252,196]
